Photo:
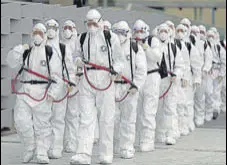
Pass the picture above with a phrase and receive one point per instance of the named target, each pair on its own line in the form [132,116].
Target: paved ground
[205,146]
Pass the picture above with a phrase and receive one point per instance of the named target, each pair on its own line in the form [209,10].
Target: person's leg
[42,126]
[148,112]
[128,126]
[208,99]
[85,139]
[199,104]
[71,124]
[58,128]
[170,115]
[223,95]
[24,126]
[105,103]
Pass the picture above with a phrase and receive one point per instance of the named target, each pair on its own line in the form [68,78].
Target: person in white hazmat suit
[174,40]
[58,108]
[202,92]
[196,74]
[223,91]
[106,25]
[69,38]
[192,64]
[135,69]
[97,49]
[32,118]
[218,72]
[149,93]
[172,61]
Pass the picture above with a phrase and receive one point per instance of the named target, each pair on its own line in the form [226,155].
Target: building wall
[17,20]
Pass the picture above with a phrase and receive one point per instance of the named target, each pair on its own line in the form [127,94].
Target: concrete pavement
[205,146]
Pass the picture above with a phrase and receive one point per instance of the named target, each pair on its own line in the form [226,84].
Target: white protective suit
[218,72]
[58,108]
[223,91]
[167,118]
[202,92]
[192,65]
[135,69]
[92,101]
[196,73]
[72,112]
[149,93]
[32,118]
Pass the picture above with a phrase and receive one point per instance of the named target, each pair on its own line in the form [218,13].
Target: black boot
[215,115]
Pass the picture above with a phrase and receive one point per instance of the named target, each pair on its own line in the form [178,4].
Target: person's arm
[141,68]
[14,58]
[222,72]
[118,58]
[196,64]
[208,59]
[55,65]
[179,64]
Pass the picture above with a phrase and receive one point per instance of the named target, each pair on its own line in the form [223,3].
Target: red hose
[165,93]
[94,87]
[60,100]
[23,93]
[70,96]
[122,99]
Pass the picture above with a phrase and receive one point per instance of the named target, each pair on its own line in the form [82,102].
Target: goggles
[68,27]
[194,32]
[186,25]
[163,31]
[180,31]
[171,26]
[121,32]
[210,36]
[139,31]
[37,32]
[202,32]
[54,27]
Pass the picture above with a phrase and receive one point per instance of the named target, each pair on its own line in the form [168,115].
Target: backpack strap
[192,39]
[82,38]
[178,43]
[107,37]
[26,54]
[135,47]
[205,45]
[162,67]
[149,40]
[174,49]
[219,50]
[189,47]
[62,49]
[49,53]
[222,44]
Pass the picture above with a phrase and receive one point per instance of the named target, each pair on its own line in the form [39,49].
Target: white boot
[127,154]
[28,156]
[146,147]
[55,154]
[170,141]
[80,159]
[42,159]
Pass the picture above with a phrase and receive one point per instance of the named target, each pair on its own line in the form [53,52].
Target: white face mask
[92,29]
[140,35]
[163,36]
[37,39]
[203,37]
[210,39]
[67,34]
[122,38]
[180,35]
[51,33]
